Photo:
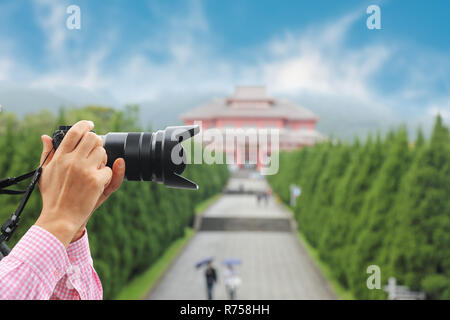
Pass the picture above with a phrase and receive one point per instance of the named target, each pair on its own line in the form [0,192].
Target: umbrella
[231,261]
[204,261]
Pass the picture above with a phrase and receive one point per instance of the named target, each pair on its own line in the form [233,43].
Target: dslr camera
[149,156]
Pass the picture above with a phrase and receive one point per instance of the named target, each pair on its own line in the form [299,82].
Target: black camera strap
[4,183]
[10,225]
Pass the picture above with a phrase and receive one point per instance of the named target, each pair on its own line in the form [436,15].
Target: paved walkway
[275,265]
[244,206]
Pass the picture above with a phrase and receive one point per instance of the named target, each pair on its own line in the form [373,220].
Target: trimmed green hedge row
[139,221]
[384,202]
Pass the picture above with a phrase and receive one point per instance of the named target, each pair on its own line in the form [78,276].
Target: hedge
[383,202]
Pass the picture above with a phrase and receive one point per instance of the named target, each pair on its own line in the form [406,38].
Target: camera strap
[10,225]
[4,183]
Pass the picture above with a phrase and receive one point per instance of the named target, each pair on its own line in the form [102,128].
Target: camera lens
[152,156]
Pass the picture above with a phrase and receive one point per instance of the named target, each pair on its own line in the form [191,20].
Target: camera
[149,156]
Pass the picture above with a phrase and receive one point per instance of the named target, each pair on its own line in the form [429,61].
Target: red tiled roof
[250,102]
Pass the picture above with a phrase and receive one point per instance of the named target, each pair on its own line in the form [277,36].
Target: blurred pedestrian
[267,195]
[232,282]
[211,279]
[258,197]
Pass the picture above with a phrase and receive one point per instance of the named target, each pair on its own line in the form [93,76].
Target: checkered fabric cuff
[43,253]
[79,252]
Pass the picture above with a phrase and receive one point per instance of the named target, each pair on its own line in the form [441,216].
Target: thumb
[47,147]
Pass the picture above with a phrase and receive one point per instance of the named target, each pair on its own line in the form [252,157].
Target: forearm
[34,266]
[81,280]
[39,267]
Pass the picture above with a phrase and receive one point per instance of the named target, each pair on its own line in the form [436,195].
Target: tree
[372,225]
[382,202]
[421,245]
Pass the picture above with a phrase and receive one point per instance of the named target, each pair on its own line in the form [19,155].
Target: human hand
[118,172]
[72,181]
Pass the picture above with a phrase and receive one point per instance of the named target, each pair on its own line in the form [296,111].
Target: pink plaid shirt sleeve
[39,267]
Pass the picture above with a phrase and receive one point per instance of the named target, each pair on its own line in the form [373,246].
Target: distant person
[267,195]
[258,198]
[232,282]
[211,279]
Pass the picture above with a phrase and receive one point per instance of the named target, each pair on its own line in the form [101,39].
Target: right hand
[72,182]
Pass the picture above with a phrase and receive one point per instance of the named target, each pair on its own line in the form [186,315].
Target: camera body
[149,156]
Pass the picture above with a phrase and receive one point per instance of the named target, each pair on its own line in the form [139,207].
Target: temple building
[252,107]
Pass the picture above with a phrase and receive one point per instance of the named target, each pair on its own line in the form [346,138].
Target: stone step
[245,224]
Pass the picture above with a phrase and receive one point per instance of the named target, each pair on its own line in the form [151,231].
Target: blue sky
[171,55]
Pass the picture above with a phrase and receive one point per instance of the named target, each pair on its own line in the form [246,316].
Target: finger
[118,173]
[74,135]
[104,161]
[105,176]
[47,146]
[98,156]
[88,143]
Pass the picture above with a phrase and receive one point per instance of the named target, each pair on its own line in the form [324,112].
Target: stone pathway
[274,264]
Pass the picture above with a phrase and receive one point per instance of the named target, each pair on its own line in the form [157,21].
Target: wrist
[79,234]
[63,230]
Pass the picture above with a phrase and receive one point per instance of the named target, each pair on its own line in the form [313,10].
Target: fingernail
[91,123]
[121,163]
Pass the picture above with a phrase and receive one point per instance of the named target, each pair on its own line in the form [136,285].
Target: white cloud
[51,17]
[318,61]
[441,107]
[313,67]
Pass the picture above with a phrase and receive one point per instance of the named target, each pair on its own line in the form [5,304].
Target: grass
[141,285]
[339,290]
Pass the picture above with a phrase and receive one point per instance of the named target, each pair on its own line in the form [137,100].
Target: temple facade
[250,107]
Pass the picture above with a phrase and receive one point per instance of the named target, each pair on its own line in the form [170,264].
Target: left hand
[118,173]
